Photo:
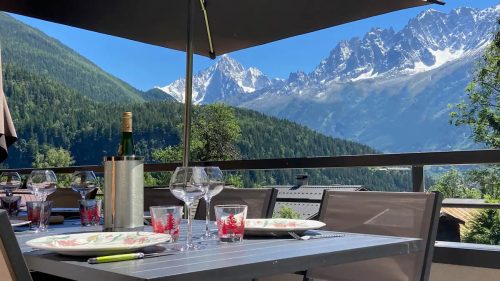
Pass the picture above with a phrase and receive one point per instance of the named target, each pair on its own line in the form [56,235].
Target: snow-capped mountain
[389,89]
[220,81]
[428,41]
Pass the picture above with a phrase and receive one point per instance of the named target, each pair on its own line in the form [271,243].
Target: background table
[252,258]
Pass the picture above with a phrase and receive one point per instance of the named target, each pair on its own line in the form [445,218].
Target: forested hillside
[36,52]
[46,112]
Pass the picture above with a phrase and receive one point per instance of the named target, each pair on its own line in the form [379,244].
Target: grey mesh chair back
[260,202]
[159,197]
[12,264]
[408,214]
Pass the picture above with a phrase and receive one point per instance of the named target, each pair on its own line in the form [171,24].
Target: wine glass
[83,182]
[42,183]
[189,184]
[9,181]
[214,187]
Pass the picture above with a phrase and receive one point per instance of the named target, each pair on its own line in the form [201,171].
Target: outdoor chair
[260,202]
[159,197]
[12,264]
[68,198]
[407,214]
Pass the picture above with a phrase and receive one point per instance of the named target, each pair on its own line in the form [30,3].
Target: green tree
[215,133]
[487,180]
[481,110]
[287,213]
[55,157]
[484,228]
[453,185]
[235,180]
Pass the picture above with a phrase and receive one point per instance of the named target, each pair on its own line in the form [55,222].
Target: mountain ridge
[51,57]
[431,43]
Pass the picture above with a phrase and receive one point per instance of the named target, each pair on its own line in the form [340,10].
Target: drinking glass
[83,182]
[214,187]
[166,219]
[10,181]
[11,204]
[90,212]
[42,183]
[231,222]
[189,184]
[39,214]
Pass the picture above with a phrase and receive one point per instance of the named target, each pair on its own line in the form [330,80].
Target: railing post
[417,178]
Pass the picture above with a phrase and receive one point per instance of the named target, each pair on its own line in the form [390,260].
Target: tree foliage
[453,185]
[55,157]
[287,213]
[215,132]
[48,113]
[484,228]
[481,111]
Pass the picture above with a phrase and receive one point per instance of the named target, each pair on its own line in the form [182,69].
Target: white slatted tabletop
[252,258]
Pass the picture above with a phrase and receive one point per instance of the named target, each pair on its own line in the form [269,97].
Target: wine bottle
[127,143]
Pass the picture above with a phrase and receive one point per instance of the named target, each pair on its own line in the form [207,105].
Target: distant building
[454,218]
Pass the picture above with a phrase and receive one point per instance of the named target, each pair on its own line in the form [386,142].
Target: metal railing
[417,162]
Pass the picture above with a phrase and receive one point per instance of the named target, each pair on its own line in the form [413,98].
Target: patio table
[252,258]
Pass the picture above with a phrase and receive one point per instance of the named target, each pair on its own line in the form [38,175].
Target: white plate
[278,227]
[98,243]
[19,222]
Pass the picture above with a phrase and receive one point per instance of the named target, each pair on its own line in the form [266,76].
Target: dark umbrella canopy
[234,24]
[204,27]
[7,131]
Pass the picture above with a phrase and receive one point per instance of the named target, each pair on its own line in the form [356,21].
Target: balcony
[452,260]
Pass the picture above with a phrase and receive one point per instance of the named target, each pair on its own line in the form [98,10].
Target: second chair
[260,202]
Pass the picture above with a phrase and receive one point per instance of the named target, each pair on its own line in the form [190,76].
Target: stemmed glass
[189,184]
[9,181]
[214,187]
[83,182]
[42,183]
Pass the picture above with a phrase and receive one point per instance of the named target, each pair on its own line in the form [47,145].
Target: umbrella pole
[189,83]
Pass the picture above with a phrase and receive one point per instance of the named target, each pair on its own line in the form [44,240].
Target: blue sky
[145,66]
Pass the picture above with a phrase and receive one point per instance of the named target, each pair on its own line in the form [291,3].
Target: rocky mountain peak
[225,78]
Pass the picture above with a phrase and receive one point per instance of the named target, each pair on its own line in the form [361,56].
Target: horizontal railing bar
[297,200]
[472,205]
[347,161]
[465,254]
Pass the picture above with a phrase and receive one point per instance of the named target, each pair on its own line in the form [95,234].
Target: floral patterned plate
[278,227]
[98,243]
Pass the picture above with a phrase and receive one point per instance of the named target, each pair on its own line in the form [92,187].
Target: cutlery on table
[125,257]
[307,237]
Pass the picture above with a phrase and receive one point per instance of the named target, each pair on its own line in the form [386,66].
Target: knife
[125,257]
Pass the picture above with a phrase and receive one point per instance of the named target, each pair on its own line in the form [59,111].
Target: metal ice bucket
[123,193]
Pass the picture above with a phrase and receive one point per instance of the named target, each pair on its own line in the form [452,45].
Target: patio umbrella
[208,28]
[7,131]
